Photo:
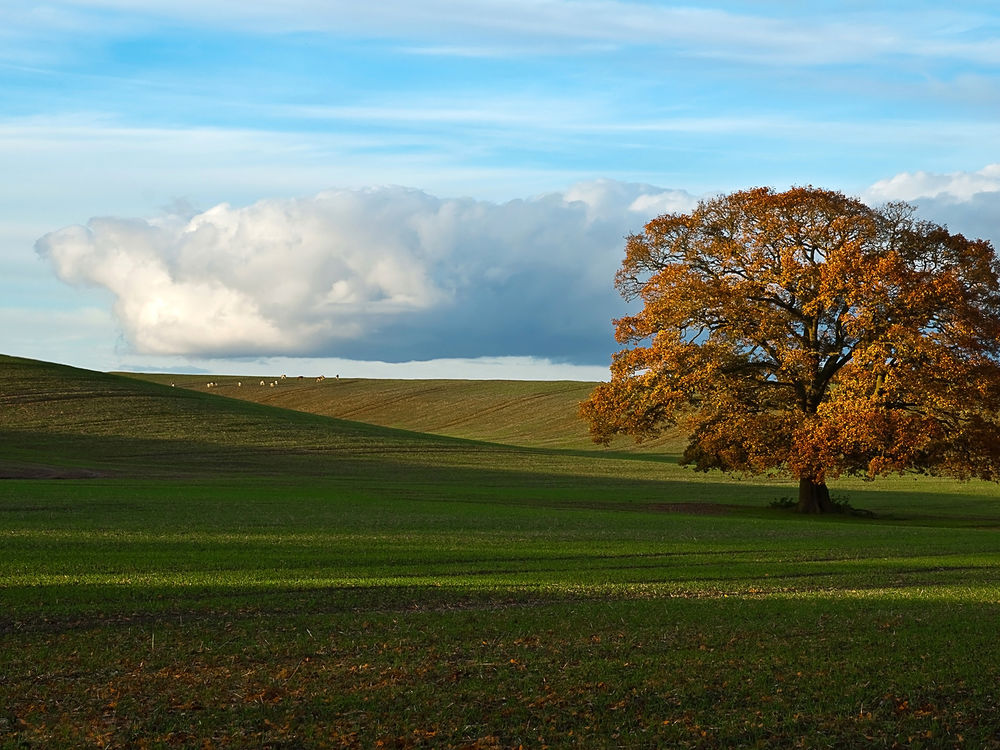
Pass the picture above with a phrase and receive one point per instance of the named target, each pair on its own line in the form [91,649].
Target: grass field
[532,414]
[180,569]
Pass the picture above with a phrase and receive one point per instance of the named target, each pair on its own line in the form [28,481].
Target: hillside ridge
[61,421]
[535,414]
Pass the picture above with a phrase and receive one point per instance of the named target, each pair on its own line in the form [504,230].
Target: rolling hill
[61,421]
[58,421]
[538,414]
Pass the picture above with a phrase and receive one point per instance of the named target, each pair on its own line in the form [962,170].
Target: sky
[438,188]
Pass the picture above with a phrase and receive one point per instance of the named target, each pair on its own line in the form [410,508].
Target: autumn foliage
[806,332]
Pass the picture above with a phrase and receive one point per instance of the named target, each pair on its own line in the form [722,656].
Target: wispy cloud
[767,34]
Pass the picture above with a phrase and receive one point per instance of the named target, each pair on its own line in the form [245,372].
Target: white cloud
[381,273]
[957,186]
[605,200]
[965,202]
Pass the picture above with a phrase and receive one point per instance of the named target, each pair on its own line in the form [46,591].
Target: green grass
[183,570]
[534,414]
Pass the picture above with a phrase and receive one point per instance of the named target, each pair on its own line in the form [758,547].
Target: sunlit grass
[535,414]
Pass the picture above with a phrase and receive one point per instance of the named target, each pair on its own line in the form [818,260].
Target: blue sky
[441,186]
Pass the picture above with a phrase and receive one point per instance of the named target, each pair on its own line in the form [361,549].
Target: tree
[808,333]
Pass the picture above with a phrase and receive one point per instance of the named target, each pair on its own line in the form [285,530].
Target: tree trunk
[814,497]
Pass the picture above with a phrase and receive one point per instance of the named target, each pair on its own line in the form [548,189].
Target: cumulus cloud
[965,202]
[387,273]
[957,186]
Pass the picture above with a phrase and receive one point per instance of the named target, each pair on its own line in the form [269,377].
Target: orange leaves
[807,331]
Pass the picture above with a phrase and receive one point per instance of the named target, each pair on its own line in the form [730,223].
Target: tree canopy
[807,332]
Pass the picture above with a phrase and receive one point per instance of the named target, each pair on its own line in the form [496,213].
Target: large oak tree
[807,332]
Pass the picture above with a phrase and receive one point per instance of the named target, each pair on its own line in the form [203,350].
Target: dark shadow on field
[706,672]
[408,463]
[417,466]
